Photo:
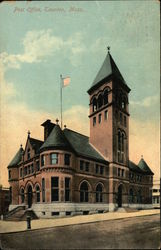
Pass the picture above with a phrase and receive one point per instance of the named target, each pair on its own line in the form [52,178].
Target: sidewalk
[18,226]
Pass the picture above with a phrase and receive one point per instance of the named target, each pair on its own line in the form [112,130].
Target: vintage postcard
[79,124]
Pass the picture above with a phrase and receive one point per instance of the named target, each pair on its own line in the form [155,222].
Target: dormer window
[28,154]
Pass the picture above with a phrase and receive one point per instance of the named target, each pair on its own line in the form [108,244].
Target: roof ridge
[35,139]
[75,132]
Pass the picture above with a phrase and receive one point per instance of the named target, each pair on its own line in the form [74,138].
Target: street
[130,233]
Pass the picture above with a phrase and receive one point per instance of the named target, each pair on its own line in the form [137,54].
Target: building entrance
[120,196]
[29,196]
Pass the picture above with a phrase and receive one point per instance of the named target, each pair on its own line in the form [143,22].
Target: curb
[96,221]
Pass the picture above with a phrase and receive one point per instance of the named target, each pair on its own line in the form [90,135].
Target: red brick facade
[44,178]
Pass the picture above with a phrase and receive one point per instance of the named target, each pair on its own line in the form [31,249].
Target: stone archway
[29,196]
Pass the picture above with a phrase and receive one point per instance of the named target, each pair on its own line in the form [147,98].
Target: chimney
[48,127]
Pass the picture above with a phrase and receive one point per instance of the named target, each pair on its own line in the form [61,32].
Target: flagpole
[61,100]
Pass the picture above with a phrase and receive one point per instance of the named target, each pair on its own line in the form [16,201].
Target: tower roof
[56,139]
[143,166]
[17,158]
[107,69]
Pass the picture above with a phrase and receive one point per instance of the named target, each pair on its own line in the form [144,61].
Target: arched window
[99,196]
[105,97]
[119,141]
[122,141]
[120,100]
[123,103]
[100,101]
[84,192]
[131,196]
[37,193]
[139,198]
[94,104]
[22,195]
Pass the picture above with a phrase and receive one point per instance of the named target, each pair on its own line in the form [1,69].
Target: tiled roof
[17,158]
[56,139]
[108,68]
[144,167]
[36,144]
[80,144]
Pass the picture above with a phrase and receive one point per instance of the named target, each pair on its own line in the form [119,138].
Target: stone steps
[21,215]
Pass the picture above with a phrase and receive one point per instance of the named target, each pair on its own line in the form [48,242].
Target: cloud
[40,44]
[146,102]
[17,119]
[6,89]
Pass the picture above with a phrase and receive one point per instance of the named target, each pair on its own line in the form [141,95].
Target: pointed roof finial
[21,146]
[141,156]
[108,48]
[28,133]
[57,121]
[65,126]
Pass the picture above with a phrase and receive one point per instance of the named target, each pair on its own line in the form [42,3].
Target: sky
[41,40]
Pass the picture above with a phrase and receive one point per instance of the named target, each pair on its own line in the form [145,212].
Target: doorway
[29,195]
[120,196]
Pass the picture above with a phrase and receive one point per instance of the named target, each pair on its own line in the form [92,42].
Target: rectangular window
[28,170]
[42,160]
[97,168]
[32,168]
[20,172]
[100,118]
[25,171]
[122,172]
[101,169]
[121,118]
[106,114]
[53,158]
[67,213]
[43,189]
[119,171]
[81,164]
[87,166]
[54,188]
[9,174]
[118,155]
[37,166]
[67,189]
[94,121]
[54,213]
[125,121]
[67,159]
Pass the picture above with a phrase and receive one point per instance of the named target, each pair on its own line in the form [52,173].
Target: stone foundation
[68,209]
